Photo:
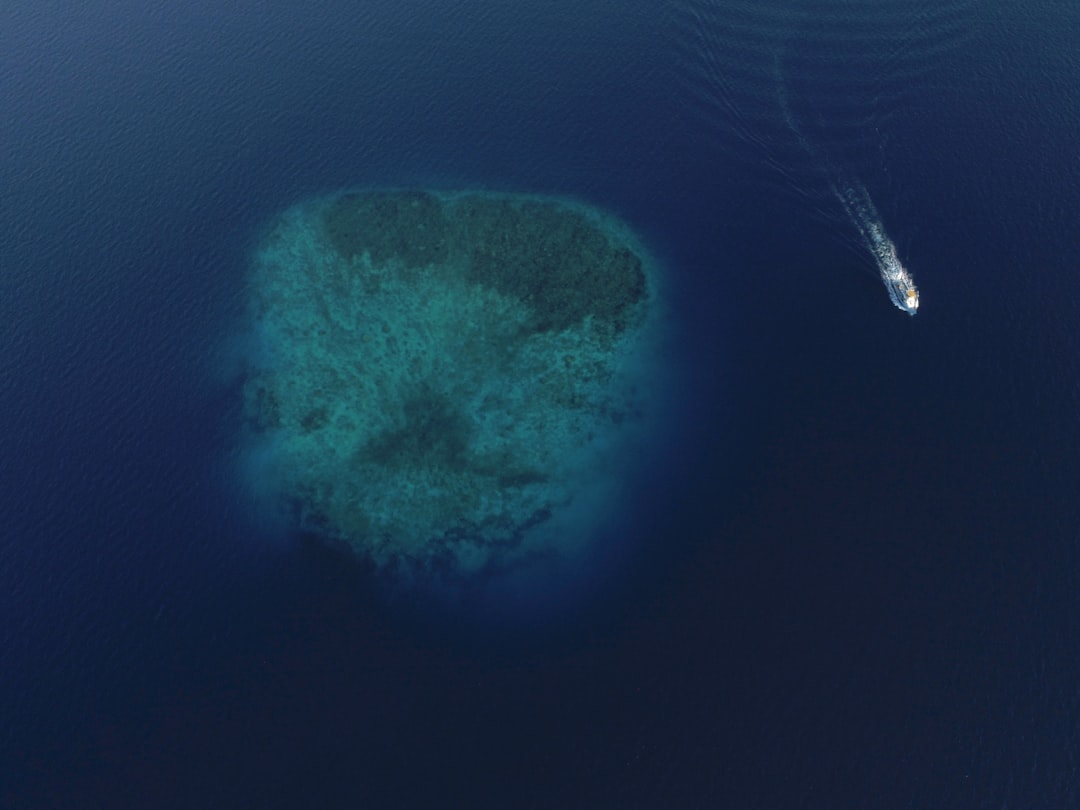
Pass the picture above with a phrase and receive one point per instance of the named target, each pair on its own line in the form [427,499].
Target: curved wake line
[860,209]
[853,63]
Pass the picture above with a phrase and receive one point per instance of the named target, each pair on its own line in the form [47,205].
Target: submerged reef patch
[453,383]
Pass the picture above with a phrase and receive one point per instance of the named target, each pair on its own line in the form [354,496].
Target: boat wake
[797,88]
[860,209]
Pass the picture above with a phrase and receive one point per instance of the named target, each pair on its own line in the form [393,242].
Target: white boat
[901,287]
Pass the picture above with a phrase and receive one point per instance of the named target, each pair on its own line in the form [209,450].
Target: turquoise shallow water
[455,385]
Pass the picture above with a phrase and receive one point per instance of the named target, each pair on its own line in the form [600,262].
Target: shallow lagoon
[452,383]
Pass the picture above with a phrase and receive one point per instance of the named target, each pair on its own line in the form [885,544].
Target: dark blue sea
[854,580]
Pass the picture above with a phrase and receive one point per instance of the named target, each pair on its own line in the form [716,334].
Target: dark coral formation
[407,226]
[550,256]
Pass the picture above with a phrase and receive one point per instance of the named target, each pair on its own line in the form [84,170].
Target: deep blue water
[858,581]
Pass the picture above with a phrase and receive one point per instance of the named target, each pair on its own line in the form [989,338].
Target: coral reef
[450,372]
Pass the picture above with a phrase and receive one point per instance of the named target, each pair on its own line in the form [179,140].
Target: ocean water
[854,580]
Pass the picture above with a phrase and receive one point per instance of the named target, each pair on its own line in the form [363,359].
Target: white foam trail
[860,209]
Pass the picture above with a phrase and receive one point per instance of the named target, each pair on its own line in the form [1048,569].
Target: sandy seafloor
[853,579]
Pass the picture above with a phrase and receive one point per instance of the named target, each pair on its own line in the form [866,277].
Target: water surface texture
[844,575]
